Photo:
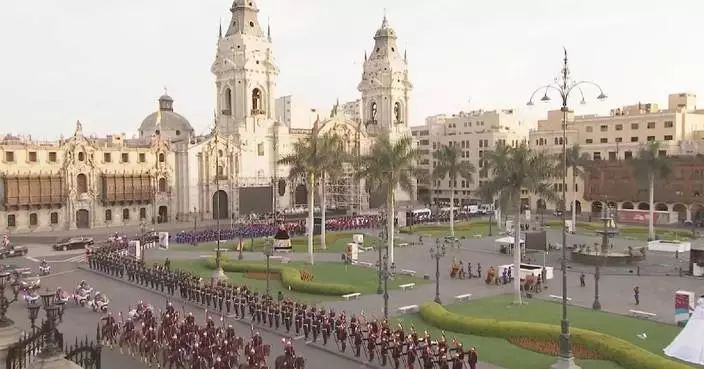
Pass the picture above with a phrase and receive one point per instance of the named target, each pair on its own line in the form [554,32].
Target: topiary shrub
[290,277]
[624,353]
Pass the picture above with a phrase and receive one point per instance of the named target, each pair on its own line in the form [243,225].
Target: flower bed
[262,275]
[306,275]
[552,348]
[624,353]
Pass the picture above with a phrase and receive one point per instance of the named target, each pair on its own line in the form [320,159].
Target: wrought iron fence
[83,352]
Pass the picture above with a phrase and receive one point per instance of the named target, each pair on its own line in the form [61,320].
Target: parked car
[10,251]
[73,243]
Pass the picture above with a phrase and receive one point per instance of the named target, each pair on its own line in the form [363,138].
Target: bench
[352,296]
[556,297]
[368,248]
[466,296]
[285,251]
[403,244]
[478,236]
[276,257]
[405,309]
[366,264]
[408,272]
[285,260]
[642,314]
[406,286]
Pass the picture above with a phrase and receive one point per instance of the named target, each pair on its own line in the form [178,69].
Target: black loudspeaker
[317,226]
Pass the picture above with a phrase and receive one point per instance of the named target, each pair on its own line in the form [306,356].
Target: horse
[298,363]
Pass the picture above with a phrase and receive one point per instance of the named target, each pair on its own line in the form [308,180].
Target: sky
[105,63]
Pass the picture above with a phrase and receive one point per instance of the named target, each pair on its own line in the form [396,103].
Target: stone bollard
[8,337]
[53,362]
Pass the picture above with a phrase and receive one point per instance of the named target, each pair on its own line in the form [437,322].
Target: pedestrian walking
[636,294]
[581,281]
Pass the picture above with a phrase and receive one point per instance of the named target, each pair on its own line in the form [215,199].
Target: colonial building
[612,139]
[84,182]
[172,174]
[475,133]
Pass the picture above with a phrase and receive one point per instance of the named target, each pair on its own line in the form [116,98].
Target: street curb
[262,328]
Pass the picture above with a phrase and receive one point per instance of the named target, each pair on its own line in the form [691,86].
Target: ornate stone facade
[84,182]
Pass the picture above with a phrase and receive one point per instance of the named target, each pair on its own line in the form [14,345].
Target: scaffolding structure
[344,191]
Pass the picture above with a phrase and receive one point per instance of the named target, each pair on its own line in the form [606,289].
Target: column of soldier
[373,338]
[171,339]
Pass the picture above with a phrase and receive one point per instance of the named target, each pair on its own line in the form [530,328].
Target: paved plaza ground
[657,289]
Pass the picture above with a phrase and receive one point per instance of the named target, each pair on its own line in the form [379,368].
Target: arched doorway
[697,213]
[220,205]
[82,218]
[163,215]
[597,207]
[643,206]
[661,207]
[612,205]
[300,196]
[578,207]
[541,205]
[282,187]
[681,211]
[627,205]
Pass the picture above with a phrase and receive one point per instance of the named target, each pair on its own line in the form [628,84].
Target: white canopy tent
[689,344]
[508,241]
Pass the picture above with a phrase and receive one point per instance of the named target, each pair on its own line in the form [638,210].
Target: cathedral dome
[165,120]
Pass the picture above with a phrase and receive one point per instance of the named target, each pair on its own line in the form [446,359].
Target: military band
[368,338]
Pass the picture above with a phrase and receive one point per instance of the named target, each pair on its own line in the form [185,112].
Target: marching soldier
[307,323]
[299,317]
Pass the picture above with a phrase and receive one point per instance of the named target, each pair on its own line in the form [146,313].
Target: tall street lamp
[564,85]
[219,274]
[268,252]
[383,272]
[438,252]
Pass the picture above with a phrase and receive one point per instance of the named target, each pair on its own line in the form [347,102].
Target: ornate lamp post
[6,281]
[54,315]
[268,252]
[438,252]
[383,271]
[564,86]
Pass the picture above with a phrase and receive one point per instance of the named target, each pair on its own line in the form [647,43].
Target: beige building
[620,135]
[475,132]
[84,182]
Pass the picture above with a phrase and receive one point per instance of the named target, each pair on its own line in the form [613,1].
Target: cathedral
[229,172]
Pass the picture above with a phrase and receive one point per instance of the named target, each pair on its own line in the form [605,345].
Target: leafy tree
[451,165]
[650,165]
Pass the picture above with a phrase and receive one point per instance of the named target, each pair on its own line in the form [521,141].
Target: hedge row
[290,277]
[627,229]
[624,353]
[463,226]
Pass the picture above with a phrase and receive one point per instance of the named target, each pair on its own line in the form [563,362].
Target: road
[79,322]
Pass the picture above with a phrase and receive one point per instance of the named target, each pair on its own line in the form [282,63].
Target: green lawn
[336,242]
[501,308]
[499,351]
[467,230]
[364,278]
[629,231]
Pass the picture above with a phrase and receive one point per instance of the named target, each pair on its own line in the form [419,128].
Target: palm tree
[332,156]
[579,162]
[304,160]
[651,166]
[513,170]
[450,164]
[388,165]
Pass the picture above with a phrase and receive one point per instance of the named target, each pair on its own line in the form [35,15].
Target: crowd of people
[362,336]
[258,230]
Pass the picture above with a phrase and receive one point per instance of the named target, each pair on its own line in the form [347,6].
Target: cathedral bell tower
[385,85]
[245,70]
